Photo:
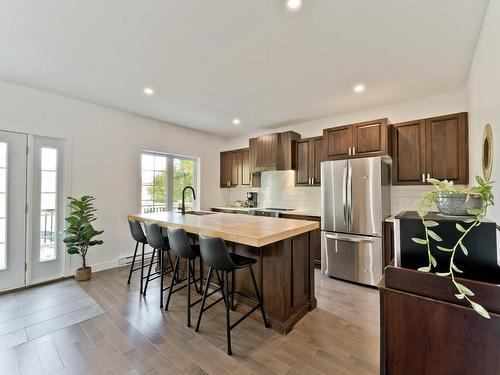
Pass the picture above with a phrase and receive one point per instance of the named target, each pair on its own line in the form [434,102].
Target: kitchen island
[284,269]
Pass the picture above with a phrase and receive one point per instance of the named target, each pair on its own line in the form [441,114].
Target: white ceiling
[210,61]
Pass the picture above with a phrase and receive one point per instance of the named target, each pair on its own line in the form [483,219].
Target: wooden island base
[285,276]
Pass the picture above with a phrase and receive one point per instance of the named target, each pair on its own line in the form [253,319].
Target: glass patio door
[47,212]
[13,148]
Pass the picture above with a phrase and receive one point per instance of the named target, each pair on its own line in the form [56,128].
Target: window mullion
[170,183]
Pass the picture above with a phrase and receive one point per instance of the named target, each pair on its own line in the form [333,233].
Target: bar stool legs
[133,263]
[149,272]
[228,297]
[142,267]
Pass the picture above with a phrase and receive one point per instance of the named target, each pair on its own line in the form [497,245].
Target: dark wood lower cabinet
[314,238]
[285,276]
[388,243]
[426,330]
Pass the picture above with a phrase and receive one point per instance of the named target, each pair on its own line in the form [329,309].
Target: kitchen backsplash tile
[278,190]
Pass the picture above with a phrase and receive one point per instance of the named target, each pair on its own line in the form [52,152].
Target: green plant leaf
[443,273]
[460,296]
[433,260]
[480,309]
[419,241]
[445,249]
[469,221]
[424,269]
[456,268]
[464,290]
[430,223]
[460,228]
[464,249]
[434,235]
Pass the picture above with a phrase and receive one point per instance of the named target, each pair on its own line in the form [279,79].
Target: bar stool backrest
[154,237]
[137,232]
[179,243]
[214,253]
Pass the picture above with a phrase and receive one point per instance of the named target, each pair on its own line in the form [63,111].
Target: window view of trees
[155,182]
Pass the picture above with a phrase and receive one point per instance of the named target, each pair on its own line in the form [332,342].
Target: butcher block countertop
[249,230]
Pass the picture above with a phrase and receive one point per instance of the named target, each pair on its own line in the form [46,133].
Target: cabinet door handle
[428,175]
[349,151]
[312,180]
[354,150]
[423,177]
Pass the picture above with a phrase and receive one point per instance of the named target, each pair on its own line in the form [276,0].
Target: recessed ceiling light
[294,4]
[359,88]
[236,121]
[148,91]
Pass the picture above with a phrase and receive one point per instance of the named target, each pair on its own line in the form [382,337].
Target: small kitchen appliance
[251,199]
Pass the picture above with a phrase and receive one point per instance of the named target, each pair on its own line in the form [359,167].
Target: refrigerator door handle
[343,237]
[349,195]
[344,195]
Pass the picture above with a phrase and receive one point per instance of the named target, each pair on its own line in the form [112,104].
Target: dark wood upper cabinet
[274,152]
[408,163]
[447,154]
[309,154]
[235,168]
[436,147]
[338,142]
[245,167]
[364,139]
[225,169]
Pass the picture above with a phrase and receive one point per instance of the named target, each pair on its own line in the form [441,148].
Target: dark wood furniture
[308,157]
[388,243]
[435,147]
[235,168]
[426,330]
[364,139]
[273,152]
[314,237]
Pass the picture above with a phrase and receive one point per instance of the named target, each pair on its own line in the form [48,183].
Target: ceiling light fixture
[294,4]
[359,88]
[236,121]
[148,91]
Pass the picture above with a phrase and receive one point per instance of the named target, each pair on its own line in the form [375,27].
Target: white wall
[484,93]
[105,145]
[402,197]
[451,102]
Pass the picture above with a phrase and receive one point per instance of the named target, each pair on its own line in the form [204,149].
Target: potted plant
[470,204]
[80,233]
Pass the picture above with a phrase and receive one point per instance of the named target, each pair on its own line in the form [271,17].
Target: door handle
[344,193]
[340,237]
[354,150]
[423,177]
[349,195]
[349,151]
[428,175]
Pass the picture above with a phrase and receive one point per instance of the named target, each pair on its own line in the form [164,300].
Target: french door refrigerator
[355,200]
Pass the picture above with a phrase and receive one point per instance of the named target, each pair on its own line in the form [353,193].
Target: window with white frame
[163,177]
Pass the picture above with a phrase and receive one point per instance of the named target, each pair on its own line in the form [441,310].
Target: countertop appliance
[270,212]
[251,199]
[355,200]
[481,263]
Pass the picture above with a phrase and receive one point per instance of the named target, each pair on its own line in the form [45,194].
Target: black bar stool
[139,237]
[215,254]
[160,246]
[182,249]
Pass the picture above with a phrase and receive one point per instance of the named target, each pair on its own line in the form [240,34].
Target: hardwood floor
[135,337]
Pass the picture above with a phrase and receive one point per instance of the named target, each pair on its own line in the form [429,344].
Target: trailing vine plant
[483,190]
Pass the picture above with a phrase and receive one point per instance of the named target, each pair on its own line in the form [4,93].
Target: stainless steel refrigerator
[355,200]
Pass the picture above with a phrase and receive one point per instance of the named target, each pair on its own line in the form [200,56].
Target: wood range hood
[273,152]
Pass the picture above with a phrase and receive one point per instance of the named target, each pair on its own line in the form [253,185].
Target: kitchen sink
[199,213]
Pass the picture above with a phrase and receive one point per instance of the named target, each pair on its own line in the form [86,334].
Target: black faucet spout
[183,197]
